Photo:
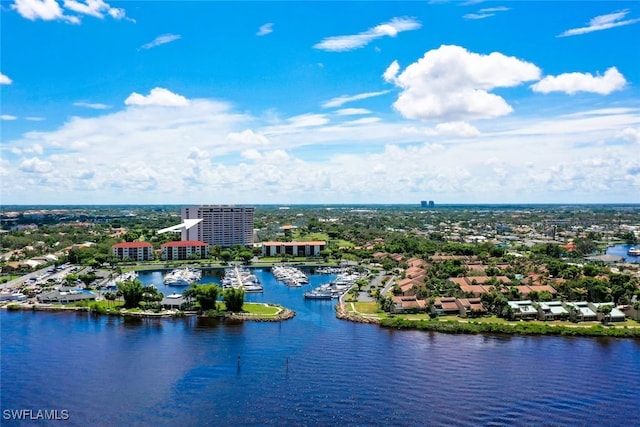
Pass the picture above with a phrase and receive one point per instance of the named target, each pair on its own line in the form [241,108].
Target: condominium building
[136,251]
[184,250]
[222,225]
[293,248]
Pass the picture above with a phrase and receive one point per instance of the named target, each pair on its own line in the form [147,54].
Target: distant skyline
[189,103]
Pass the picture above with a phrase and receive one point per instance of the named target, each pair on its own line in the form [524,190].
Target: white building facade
[222,225]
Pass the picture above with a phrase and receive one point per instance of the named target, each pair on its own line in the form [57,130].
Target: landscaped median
[365,313]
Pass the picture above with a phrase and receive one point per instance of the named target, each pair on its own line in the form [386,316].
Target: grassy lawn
[104,304]
[261,309]
[311,237]
[366,307]
[342,243]
[5,279]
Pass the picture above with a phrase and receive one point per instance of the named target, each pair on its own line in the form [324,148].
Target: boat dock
[290,276]
[237,277]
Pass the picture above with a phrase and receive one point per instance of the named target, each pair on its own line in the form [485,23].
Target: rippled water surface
[311,370]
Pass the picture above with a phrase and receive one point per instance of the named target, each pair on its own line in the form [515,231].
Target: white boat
[129,276]
[238,277]
[633,252]
[182,277]
[290,276]
[318,294]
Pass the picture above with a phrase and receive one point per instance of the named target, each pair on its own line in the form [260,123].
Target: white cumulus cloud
[5,80]
[248,137]
[157,96]
[265,29]
[391,72]
[95,8]
[453,84]
[356,41]
[457,129]
[35,165]
[160,40]
[631,134]
[602,22]
[50,10]
[571,83]
[47,10]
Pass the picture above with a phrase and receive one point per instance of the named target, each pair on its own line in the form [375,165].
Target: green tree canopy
[131,292]
[234,299]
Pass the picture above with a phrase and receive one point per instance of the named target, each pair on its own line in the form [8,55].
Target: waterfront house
[523,310]
[445,306]
[470,307]
[174,302]
[65,296]
[552,310]
[615,315]
[408,303]
[580,311]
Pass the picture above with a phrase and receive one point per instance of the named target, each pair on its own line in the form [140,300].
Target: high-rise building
[222,225]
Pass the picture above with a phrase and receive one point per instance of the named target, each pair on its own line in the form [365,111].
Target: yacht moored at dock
[290,276]
[238,277]
[182,277]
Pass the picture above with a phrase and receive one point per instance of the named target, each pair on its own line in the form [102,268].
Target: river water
[313,370]
[622,252]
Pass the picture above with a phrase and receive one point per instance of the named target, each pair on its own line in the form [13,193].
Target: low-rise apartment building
[308,249]
[136,251]
[182,250]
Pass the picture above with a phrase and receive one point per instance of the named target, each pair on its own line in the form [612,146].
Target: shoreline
[474,328]
[282,315]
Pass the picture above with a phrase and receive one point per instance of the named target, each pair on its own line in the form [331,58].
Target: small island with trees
[133,299]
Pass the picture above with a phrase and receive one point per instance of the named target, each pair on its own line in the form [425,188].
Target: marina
[125,277]
[290,276]
[239,277]
[182,277]
[336,288]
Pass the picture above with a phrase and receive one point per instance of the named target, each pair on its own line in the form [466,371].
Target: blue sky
[319,102]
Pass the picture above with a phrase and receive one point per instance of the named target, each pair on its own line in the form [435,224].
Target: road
[43,272]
